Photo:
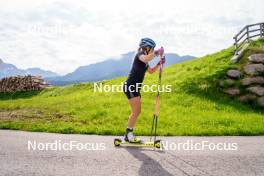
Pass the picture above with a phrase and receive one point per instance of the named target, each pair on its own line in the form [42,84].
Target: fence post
[262,29]
[247,34]
[236,45]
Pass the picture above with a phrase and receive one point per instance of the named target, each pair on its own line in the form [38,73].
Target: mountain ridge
[7,69]
[109,69]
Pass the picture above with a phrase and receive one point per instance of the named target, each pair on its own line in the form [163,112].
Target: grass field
[196,106]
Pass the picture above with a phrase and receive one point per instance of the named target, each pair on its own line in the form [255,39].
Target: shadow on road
[149,166]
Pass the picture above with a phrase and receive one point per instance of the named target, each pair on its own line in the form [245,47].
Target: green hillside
[196,106]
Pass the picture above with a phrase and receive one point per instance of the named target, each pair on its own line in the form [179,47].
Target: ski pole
[155,115]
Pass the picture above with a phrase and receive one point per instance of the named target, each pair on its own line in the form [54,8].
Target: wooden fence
[247,33]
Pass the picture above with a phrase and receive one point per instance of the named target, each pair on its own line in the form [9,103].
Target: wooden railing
[248,32]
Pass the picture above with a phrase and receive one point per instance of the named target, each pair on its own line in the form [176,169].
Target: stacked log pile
[22,83]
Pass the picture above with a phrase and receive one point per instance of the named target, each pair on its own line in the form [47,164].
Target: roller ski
[131,141]
[143,144]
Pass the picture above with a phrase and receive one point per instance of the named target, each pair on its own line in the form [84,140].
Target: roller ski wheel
[157,144]
[117,142]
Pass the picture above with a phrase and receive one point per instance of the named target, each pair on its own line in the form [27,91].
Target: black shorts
[131,94]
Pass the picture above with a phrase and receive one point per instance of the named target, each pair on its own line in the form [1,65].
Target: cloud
[61,35]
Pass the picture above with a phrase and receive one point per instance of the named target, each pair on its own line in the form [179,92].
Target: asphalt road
[29,153]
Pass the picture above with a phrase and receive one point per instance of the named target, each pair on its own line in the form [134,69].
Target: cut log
[22,83]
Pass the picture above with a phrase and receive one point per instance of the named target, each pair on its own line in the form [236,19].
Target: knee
[136,112]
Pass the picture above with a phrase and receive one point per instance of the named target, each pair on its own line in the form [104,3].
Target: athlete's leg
[135,104]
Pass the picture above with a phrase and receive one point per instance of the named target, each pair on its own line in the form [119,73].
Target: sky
[61,35]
